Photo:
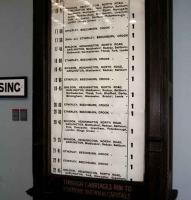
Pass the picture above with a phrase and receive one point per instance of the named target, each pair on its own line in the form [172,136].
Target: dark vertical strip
[129,17]
[49,85]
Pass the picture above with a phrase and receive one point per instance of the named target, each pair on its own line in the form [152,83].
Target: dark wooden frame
[158,175]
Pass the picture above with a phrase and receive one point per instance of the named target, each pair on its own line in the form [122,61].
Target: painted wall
[16,137]
[182,98]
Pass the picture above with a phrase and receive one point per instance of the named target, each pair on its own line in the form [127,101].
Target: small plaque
[15,114]
[13,87]
[23,114]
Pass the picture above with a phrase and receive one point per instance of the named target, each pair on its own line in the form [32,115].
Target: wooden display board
[102,100]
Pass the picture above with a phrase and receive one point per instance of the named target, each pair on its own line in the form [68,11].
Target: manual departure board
[102,100]
[98,89]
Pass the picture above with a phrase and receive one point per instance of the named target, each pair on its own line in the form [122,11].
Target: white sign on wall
[13,86]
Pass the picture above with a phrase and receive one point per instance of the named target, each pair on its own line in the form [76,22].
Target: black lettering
[17,87]
[1,87]
[9,87]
